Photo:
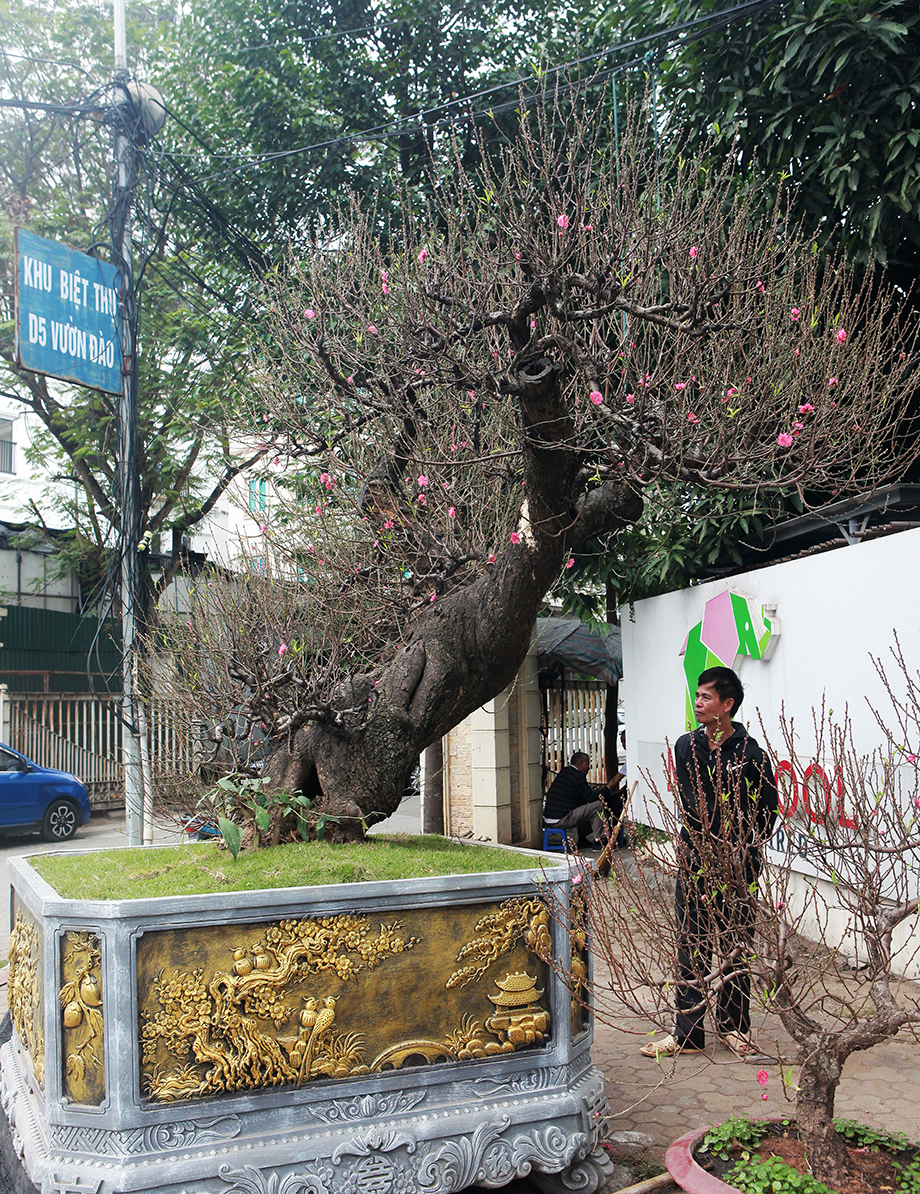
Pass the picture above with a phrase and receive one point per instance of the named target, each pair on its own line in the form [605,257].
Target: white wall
[836,611]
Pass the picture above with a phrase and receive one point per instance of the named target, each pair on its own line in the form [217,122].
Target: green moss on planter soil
[196,869]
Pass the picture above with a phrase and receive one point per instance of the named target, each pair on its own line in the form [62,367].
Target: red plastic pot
[683,1168]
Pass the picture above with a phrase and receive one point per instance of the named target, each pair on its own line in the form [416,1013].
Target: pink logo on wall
[733,625]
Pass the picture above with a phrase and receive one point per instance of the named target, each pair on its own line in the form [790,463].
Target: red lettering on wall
[815,792]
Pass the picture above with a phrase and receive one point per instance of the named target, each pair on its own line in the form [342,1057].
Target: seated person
[571,803]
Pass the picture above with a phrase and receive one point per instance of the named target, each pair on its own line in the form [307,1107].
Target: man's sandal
[668,1046]
[739,1044]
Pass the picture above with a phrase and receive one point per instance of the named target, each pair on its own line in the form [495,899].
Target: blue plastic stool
[562,844]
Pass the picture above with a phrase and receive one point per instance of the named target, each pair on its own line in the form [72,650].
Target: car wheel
[61,821]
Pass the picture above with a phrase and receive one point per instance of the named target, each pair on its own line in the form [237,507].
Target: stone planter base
[376,1038]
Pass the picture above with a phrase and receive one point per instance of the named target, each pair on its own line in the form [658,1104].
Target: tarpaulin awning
[595,651]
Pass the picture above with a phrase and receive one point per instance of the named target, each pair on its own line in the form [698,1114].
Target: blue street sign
[67,314]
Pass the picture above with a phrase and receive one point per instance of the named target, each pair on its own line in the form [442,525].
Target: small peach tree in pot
[824,933]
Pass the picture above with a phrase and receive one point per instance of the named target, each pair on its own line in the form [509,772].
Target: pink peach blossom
[795,314]
[422,256]
[693,252]
[841,336]
[515,537]
[596,397]
[562,221]
[570,562]
[309,313]
[784,439]
[372,329]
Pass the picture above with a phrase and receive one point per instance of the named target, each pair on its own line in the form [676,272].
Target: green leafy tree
[290,104]
[820,94]
[56,180]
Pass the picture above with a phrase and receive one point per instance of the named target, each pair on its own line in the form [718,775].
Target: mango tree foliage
[820,95]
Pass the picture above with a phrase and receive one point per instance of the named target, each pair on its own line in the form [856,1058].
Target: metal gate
[573,716]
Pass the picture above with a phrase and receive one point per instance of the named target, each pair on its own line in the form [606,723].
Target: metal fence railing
[81,733]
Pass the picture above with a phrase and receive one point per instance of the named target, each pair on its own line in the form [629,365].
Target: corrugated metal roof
[597,653]
[45,640]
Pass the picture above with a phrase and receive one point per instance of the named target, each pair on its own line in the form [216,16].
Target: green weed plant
[774,1176]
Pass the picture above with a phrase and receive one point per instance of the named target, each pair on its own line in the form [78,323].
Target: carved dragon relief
[24,992]
[271,1017]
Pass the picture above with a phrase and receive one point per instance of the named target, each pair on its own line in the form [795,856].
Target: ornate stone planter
[353,1039]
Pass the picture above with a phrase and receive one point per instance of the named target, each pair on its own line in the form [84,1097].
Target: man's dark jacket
[569,790]
[740,770]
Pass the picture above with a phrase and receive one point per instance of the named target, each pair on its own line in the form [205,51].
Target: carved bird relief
[324,1019]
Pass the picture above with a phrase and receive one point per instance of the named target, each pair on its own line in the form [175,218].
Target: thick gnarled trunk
[468,645]
[818,1081]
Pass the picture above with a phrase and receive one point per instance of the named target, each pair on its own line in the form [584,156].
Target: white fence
[81,733]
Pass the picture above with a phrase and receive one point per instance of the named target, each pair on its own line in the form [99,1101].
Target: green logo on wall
[733,625]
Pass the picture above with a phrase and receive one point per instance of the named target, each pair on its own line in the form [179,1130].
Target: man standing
[728,804]
[571,803]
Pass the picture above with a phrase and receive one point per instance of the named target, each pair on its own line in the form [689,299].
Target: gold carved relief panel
[80,998]
[25,991]
[241,1007]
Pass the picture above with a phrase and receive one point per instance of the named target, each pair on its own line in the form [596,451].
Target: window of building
[258,494]
[7,458]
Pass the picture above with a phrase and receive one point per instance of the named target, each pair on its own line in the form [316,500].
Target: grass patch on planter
[196,869]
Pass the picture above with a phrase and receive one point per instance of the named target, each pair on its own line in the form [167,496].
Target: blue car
[39,799]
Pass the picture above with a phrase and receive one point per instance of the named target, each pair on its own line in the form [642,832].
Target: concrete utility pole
[129,482]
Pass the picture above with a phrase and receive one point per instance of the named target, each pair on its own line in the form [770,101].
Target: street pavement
[651,1103]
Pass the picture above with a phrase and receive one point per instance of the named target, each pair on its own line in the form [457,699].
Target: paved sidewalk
[879,1087]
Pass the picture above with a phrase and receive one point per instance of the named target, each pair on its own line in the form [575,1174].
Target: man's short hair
[579,757]
[726,684]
